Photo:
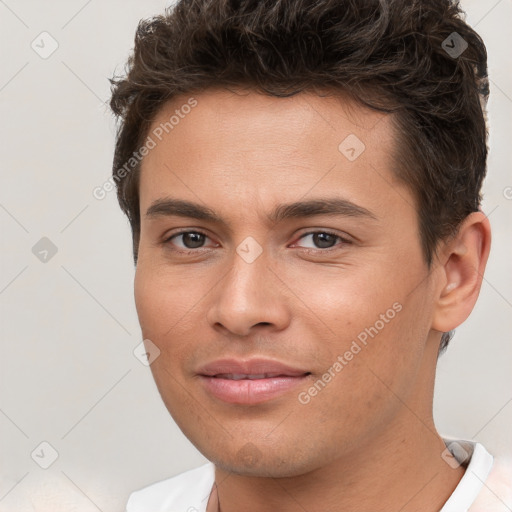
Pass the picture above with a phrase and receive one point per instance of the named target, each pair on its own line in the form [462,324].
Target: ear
[463,259]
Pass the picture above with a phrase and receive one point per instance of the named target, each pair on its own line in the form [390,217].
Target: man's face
[343,300]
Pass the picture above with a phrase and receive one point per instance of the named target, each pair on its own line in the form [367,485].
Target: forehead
[222,145]
[248,117]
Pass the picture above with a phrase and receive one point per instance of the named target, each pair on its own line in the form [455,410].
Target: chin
[251,461]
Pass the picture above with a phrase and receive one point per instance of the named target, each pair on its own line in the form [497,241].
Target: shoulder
[486,485]
[186,492]
[496,493]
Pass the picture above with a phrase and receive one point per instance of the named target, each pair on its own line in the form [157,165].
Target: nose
[250,296]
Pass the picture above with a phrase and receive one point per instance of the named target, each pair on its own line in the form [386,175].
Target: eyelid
[183,231]
[167,240]
[343,238]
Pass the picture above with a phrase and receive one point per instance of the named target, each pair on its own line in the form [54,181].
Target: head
[358,111]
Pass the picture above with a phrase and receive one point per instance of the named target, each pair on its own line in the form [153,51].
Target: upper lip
[256,366]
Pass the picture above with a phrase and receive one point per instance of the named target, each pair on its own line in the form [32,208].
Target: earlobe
[465,258]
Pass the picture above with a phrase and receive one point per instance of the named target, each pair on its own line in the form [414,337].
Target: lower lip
[247,391]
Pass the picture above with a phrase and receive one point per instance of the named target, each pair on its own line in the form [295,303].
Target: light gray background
[69,326]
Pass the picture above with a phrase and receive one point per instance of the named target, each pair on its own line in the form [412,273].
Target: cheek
[360,393]
[147,301]
[162,302]
[377,328]
[162,313]
[170,314]
[346,302]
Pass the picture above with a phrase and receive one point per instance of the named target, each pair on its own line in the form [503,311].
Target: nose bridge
[248,294]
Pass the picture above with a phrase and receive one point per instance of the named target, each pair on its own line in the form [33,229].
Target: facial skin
[367,439]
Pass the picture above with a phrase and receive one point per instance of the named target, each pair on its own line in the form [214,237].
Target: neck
[399,468]
[406,474]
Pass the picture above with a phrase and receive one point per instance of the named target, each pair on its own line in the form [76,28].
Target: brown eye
[187,240]
[323,240]
[192,240]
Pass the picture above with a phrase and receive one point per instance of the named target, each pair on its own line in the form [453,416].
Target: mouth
[250,382]
[241,376]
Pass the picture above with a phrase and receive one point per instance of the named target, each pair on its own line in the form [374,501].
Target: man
[302,180]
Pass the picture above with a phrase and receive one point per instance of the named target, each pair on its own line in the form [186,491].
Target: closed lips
[234,376]
[257,368]
[249,382]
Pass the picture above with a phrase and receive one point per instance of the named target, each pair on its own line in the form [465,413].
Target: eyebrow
[166,207]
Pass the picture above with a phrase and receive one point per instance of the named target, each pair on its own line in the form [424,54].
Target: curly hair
[416,59]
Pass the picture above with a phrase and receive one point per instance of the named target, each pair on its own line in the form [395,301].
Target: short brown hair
[417,59]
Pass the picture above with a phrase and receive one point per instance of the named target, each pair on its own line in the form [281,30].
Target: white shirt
[485,487]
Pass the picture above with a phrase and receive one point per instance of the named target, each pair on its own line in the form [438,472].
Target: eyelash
[343,241]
